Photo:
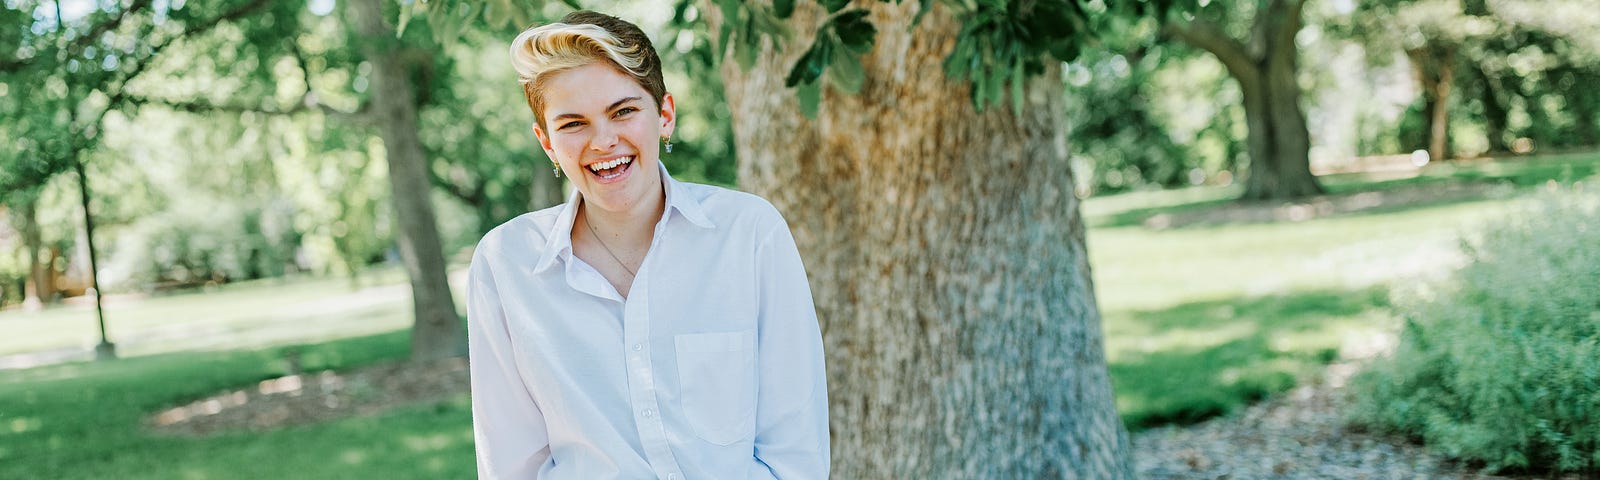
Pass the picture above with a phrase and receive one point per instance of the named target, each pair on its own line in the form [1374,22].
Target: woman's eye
[569,125]
[624,111]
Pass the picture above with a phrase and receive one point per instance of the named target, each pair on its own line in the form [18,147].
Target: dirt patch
[1325,205]
[317,397]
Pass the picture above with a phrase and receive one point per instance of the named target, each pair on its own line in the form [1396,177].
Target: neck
[627,228]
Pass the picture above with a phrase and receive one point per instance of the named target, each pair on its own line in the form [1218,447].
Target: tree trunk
[1280,143]
[947,260]
[1433,66]
[438,331]
[36,291]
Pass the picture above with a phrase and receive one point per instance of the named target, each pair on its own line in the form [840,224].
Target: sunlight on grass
[1201,320]
[245,315]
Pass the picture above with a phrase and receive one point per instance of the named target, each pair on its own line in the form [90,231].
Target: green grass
[242,315]
[1199,321]
[83,421]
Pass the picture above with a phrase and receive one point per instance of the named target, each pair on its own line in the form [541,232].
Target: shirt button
[638,347]
[672,476]
[648,412]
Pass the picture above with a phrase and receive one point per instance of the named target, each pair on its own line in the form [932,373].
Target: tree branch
[201,106]
[1207,36]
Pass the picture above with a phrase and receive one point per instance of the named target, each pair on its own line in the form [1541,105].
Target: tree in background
[97,63]
[81,71]
[1490,63]
[438,331]
[1262,57]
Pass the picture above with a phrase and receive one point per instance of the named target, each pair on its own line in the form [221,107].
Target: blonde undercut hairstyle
[579,39]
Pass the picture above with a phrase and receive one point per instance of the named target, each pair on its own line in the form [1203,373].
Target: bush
[1500,364]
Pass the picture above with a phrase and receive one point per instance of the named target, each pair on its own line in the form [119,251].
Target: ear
[544,140]
[669,115]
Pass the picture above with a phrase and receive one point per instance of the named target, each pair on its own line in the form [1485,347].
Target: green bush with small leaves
[1499,365]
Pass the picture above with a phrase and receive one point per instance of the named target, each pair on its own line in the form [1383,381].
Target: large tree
[437,331]
[945,250]
[1262,58]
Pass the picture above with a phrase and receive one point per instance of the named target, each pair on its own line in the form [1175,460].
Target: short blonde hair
[582,38]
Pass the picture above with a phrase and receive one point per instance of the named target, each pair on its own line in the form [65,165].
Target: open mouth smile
[613,170]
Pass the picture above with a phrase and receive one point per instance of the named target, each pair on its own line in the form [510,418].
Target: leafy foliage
[1501,364]
[1001,42]
[1121,141]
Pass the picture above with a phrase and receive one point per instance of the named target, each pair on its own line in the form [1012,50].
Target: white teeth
[597,167]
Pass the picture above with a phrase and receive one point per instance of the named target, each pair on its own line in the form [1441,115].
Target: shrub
[1500,364]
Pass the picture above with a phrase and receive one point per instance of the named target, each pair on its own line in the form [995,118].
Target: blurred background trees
[235,140]
[245,140]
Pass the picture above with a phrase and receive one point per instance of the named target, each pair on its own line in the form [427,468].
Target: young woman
[646,328]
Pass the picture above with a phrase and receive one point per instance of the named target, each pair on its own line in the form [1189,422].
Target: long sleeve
[508,427]
[792,411]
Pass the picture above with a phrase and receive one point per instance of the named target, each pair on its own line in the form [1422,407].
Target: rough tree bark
[1279,142]
[947,258]
[437,332]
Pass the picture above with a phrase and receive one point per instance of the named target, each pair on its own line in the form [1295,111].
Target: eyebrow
[613,106]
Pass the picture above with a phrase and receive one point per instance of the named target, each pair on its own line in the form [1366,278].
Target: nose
[605,137]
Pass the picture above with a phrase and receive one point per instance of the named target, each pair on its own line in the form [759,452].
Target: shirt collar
[559,245]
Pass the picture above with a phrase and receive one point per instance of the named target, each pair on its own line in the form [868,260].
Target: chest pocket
[718,374]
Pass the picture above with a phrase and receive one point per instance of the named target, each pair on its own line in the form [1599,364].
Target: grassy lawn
[1199,321]
[83,421]
[1202,320]
[241,315]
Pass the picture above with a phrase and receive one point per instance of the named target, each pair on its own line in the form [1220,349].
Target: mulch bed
[1298,435]
[317,397]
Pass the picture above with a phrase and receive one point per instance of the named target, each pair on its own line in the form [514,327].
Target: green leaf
[846,72]
[833,5]
[808,68]
[854,30]
[783,8]
[810,96]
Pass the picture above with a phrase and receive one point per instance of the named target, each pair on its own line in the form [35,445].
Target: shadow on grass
[85,421]
[1205,359]
[68,420]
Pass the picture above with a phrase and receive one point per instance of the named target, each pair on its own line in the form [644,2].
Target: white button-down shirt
[711,368]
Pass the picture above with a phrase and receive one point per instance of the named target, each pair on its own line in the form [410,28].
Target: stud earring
[668,140]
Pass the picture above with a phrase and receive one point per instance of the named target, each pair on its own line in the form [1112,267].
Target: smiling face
[604,130]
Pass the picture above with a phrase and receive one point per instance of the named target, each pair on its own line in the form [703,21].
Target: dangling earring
[668,140]
[556,169]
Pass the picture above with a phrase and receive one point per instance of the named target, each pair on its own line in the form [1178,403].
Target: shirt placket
[642,379]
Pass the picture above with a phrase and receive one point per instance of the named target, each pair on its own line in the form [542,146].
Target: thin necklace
[590,224]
